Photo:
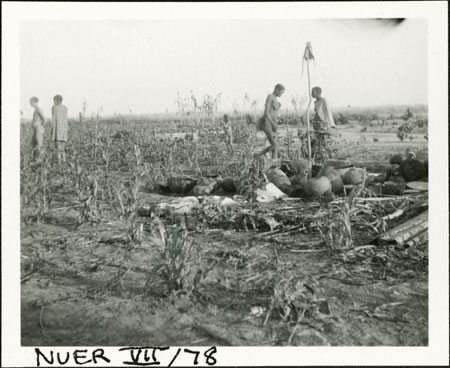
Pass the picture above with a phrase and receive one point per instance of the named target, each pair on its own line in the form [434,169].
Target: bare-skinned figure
[226,125]
[37,125]
[268,123]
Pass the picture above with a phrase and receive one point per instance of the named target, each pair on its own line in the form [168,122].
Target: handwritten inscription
[143,356]
[147,356]
[79,357]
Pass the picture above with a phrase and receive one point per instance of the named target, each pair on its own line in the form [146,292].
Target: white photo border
[437,353]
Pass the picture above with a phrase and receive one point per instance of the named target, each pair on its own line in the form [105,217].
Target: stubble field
[104,263]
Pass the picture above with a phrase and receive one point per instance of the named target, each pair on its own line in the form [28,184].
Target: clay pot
[396,159]
[180,184]
[228,185]
[338,164]
[277,177]
[317,187]
[412,169]
[343,171]
[333,175]
[353,177]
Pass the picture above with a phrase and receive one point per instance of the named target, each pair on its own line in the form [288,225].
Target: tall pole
[308,129]
[308,55]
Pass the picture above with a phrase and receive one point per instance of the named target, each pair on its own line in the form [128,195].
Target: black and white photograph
[234,175]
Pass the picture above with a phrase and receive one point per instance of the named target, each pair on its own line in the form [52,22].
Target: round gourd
[412,169]
[353,177]
[333,175]
[180,184]
[317,187]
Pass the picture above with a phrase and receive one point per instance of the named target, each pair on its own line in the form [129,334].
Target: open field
[103,264]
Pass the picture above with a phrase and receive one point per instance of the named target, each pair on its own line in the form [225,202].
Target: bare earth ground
[68,299]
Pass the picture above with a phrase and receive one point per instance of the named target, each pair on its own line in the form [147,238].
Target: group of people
[323,118]
[59,128]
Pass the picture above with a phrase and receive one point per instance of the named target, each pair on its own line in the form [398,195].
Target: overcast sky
[141,65]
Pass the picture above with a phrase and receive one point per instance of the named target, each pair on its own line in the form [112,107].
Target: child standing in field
[268,123]
[324,117]
[59,128]
[37,125]
[226,125]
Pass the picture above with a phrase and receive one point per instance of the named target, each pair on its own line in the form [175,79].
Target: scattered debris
[270,193]
[410,231]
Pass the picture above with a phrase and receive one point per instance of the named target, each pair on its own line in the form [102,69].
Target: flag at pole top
[308,54]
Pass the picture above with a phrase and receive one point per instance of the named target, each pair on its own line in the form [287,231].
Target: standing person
[59,128]
[268,123]
[37,125]
[323,118]
[226,125]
